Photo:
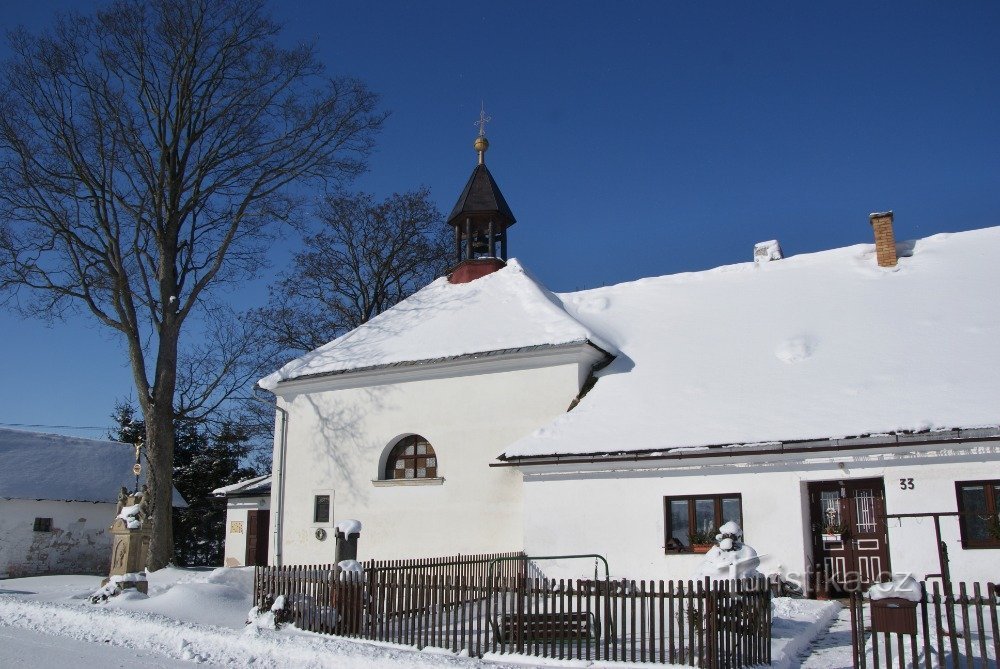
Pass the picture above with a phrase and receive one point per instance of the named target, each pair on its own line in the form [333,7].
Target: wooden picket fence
[946,628]
[697,623]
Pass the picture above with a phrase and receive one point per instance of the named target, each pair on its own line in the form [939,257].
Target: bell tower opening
[480,219]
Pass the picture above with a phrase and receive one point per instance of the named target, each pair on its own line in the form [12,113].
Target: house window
[43,524]
[411,458]
[696,519]
[981,500]
[321,509]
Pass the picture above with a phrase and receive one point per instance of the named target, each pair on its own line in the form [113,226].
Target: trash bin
[895,615]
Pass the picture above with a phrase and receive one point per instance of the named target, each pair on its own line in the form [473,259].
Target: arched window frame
[416,455]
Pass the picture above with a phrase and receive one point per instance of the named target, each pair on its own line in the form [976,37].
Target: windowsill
[978,547]
[388,483]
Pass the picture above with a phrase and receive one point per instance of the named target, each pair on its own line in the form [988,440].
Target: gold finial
[482,144]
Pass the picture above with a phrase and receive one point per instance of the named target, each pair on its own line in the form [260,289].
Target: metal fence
[697,623]
[942,629]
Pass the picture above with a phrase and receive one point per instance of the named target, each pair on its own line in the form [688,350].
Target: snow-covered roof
[36,465]
[503,311]
[258,486]
[809,347]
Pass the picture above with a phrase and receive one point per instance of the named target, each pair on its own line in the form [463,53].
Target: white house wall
[621,514]
[79,543]
[337,441]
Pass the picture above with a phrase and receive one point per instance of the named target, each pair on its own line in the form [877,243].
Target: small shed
[248,516]
[58,496]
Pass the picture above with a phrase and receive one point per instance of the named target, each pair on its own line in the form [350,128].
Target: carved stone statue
[122,499]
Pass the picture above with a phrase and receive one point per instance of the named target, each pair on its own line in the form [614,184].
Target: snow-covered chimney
[767,251]
[885,241]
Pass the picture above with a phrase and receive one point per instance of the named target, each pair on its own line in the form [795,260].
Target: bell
[480,244]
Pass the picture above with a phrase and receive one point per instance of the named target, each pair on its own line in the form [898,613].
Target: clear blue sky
[630,139]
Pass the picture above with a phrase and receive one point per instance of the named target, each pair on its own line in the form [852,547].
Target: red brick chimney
[885,241]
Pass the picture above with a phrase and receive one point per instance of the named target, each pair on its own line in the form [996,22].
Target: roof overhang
[771,449]
[526,357]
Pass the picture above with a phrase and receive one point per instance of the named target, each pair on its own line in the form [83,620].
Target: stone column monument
[130,532]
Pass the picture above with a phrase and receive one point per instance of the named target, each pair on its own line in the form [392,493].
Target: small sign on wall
[236,527]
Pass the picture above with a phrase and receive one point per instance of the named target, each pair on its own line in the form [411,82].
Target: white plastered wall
[236,527]
[337,440]
[621,516]
[79,543]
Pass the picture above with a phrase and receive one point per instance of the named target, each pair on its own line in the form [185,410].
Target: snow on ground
[198,616]
[796,624]
[25,648]
[831,650]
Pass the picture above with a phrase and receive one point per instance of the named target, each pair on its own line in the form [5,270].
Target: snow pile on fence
[348,527]
[902,586]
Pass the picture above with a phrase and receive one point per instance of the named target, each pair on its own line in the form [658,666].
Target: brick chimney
[885,241]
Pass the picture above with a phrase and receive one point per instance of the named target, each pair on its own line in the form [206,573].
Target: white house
[807,398]
[58,497]
[248,511]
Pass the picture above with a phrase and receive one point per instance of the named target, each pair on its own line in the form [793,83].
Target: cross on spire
[483,120]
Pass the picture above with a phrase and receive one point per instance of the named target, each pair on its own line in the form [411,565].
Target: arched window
[411,458]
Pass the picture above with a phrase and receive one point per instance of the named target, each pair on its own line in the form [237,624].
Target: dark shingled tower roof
[481,196]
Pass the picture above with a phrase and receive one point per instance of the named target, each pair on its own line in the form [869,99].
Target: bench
[526,627]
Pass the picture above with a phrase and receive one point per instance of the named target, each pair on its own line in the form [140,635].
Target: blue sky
[630,139]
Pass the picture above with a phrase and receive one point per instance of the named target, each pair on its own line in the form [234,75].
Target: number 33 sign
[906,484]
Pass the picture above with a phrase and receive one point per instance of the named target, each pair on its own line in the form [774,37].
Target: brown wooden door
[850,542]
[257,530]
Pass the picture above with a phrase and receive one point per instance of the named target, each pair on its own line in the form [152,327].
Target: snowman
[730,558]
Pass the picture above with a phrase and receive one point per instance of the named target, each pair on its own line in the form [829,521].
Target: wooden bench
[569,626]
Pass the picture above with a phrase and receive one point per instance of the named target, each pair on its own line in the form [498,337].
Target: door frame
[856,575]
[258,529]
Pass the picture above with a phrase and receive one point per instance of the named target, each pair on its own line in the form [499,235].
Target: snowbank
[795,624]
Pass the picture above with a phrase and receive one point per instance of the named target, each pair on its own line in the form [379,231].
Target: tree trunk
[160,455]
[158,411]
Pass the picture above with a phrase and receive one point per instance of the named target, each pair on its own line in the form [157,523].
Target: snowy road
[26,648]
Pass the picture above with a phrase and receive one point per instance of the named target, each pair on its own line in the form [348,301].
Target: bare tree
[366,257]
[148,153]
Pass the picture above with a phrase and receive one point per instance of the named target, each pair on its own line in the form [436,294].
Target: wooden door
[850,541]
[258,523]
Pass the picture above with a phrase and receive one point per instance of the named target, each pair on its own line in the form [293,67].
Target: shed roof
[258,486]
[38,465]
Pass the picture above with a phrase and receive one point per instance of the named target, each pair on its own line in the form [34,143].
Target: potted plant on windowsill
[701,541]
[834,532]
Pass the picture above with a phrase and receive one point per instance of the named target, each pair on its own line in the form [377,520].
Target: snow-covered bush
[270,615]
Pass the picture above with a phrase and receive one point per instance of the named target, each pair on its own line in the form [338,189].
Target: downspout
[278,480]
[279,473]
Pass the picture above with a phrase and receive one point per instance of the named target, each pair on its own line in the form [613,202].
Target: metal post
[468,239]
[503,244]
[493,240]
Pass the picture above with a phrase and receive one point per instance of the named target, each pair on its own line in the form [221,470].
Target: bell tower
[480,218]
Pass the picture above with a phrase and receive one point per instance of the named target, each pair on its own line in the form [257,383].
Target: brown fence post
[711,624]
